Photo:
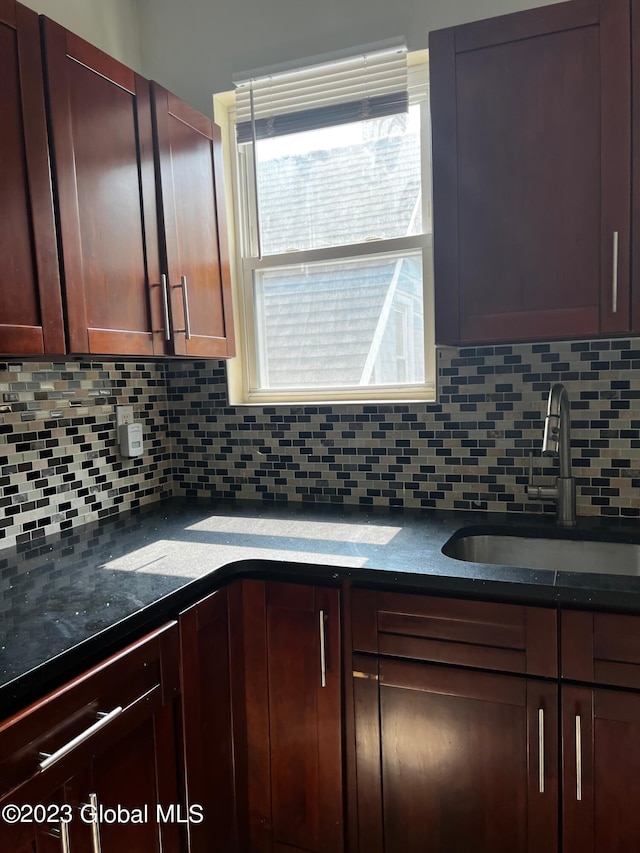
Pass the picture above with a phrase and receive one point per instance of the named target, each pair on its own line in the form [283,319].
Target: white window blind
[326,92]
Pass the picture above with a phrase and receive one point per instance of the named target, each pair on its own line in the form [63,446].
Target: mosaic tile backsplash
[468,451]
[59,463]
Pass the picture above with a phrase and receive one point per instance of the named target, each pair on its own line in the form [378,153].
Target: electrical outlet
[124,415]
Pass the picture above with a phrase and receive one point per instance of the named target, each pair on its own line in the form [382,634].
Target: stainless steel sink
[533,552]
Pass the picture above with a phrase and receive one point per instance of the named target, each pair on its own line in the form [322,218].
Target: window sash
[254,393]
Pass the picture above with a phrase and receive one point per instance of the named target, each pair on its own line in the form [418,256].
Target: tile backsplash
[60,466]
[59,463]
[467,451]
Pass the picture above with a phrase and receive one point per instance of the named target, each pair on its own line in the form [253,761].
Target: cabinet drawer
[85,716]
[479,634]
[601,648]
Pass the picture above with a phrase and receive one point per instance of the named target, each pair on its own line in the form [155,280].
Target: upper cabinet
[138,193]
[195,263]
[30,299]
[102,151]
[531,121]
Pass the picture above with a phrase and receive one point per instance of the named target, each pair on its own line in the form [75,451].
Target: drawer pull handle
[95,824]
[578,758]
[323,653]
[541,750]
[104,720]
[63,835]
[614,282]
[165,306]
[185,306]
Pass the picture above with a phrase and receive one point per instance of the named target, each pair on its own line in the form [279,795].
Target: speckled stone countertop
[77,597]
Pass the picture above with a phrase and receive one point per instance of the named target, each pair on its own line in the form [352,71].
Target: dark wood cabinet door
[102,148]
[208,736]
[194,237]
[112,739]
[531,116]
[138,773]
[292,775]
[601,769]
[30,298]
[454,760]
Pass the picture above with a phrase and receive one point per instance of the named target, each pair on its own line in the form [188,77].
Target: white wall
[193,47]
[112,25]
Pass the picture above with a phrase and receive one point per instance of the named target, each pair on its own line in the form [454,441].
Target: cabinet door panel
[139,774]
[305,770]
[208,737]
[30,298]
[102,152]
[600,789]
[532,172]
[460,765]
[293,717]
[192,200]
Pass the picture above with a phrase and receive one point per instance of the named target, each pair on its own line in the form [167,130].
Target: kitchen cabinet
[30,297]
[102,154]
[451,757]
[601,768]
[106,739]
[207,722]
[600,732]
[116,223]
[531,120]
[285,648]
[194,243]
[455,716]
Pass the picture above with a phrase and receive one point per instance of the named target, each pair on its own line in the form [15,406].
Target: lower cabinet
[449,756]
[454,760]
[600,732]
[207,721]
[93,767]
[233,730]
[450,753]
[601,770]
[263,721]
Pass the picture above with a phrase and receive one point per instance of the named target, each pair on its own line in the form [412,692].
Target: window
[333,231]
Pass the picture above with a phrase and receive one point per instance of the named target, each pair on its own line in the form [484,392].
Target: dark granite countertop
[77,597]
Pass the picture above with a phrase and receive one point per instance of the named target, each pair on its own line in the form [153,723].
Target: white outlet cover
[124,415]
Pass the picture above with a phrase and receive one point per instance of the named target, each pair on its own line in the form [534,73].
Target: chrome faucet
[557,442]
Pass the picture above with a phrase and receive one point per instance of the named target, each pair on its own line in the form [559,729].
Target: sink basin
[539,552]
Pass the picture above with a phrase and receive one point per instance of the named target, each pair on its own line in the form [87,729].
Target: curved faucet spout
[557,428]
[557,442]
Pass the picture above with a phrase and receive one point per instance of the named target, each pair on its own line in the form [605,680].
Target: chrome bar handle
[185,303]
[578,758]
[165,305]
[541,750]
[614,283]
[104,720]
[323,653]
[63,835]
[95,824]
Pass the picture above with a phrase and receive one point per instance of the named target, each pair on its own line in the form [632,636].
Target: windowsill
[427,394]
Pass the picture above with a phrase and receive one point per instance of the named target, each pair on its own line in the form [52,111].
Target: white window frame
[242,370]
